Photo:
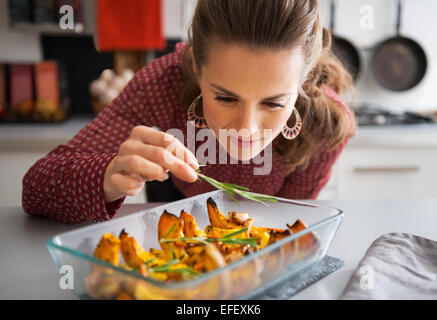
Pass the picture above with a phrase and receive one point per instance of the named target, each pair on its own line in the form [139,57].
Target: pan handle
[398,17]
[332,16]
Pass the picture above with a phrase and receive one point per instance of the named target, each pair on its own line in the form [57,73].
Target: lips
[244,143]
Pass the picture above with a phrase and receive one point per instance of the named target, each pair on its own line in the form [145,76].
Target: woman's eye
[273,105]
[225,99]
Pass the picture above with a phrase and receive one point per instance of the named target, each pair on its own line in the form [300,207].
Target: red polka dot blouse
[67,184]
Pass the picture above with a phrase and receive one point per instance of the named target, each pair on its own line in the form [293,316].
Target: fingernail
[193,163]
[164,176]
[195,166]
[193,174]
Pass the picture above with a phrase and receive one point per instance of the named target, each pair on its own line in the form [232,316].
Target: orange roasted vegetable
[306,241]
[305,244]
[133,254]
[217,219]
[190,227]
[102,284]
[187,251]
[108,249]
[171,227]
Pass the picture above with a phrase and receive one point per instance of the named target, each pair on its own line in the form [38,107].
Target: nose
[248,121]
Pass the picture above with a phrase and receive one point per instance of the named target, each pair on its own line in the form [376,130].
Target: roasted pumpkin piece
[171,227]
[216,218]
[278,235]
[272,263]
[219,286]
[212,258]
[305,244]
[276,259]
[102,285]
[261,236]
[190,226]
[162,254]
[214,232]
[233,252]
[108,249]
[133,254]
[238,218]
[144,291]
[150,274]
[123,296]
[245,277]
[306,241]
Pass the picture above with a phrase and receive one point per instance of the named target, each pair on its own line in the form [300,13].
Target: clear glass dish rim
[207,276]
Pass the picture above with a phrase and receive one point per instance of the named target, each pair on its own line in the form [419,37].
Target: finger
[168,161]
[127,184]
[162,139]
[138,167]
[160,156]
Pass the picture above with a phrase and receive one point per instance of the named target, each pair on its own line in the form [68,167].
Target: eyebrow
[217,87]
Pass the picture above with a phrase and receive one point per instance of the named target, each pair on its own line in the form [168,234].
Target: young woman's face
[252,93]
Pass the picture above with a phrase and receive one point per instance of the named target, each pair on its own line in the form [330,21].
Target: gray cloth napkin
[396,266]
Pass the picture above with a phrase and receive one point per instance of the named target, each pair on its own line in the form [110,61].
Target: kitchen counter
[416,136]
[28,272]
[40,135]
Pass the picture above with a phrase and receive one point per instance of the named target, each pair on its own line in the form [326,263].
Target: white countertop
[415,136]
[28,272]
[40,135]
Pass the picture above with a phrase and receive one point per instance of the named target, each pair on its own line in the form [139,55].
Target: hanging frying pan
[399,63]
[344,49]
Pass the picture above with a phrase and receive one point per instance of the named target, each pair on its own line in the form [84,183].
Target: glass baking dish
[241,279]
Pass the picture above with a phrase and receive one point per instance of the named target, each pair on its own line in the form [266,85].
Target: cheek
[277,120]
[215,116]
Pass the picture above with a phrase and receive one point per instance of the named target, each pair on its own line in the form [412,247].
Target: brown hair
[279,24]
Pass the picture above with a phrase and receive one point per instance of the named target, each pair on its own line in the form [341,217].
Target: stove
[376,116]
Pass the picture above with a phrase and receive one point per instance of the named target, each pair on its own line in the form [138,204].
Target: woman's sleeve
[67,184]
[307,183]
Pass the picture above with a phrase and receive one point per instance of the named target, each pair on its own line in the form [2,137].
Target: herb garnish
[232,189]
[225,239]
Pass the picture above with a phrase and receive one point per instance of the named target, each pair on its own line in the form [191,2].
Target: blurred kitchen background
[54,81]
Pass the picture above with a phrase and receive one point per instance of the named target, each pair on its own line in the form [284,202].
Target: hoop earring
[199,122]
[291,133]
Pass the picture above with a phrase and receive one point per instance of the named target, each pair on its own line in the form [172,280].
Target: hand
[147,155]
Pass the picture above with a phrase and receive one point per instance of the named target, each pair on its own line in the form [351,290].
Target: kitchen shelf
[53,29]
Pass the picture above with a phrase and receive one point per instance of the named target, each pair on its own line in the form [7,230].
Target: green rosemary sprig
[165,268]
[170,230]
[231,189]
[225,239]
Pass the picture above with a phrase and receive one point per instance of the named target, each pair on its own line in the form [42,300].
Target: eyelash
[229,100]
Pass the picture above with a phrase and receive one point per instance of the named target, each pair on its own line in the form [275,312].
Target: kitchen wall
[418,22]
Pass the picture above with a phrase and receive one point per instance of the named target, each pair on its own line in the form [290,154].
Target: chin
[244,154]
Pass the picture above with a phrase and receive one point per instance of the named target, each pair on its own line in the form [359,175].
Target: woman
[261,68]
